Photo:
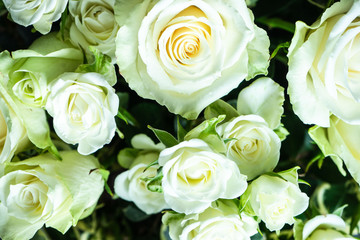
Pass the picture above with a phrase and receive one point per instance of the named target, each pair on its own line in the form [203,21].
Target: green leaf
[134,214]
[244,203]
[229,140]
[339,211]
[277,23]
[304,182]
[258,236]
[290,175]
[156,162]
[206,131]
[181,132]
[102,64]
[285,45]
[153,184]
[64,18]
[322,6]
[105,176]
[282,132]
[123,99]
[124,115]
[218,108]
[53,150]
[166,138]
[274,174]
[355,219]
[314,160]
[251,3]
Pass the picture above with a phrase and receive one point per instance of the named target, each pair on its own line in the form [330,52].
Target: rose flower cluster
[67,131]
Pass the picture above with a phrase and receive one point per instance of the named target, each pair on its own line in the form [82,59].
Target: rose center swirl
[186,36]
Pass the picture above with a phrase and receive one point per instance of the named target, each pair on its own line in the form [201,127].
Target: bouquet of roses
[168,119]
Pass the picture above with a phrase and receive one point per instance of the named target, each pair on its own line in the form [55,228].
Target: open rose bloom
[192,52]
[324,66]
[178,110]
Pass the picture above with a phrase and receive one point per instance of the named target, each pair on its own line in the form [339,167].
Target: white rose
[251,144]
[130,185]
[83,106]
[276,201]
[93,24]
[220,221]
[43,190]
[326,227]
[12,130]
[195,176]
[340,141]
[323,66]
[39,13]
[188,52]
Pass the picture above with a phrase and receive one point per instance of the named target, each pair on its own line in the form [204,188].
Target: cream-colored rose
[39,13]
[195,176]
[276,201]
[220,221]
[12,130]
[340,141]
[31,70]
[83,106]
[327,227]
[323,66]
[43,190]
[187,54]
[130,185]
[93,24]
[251,144]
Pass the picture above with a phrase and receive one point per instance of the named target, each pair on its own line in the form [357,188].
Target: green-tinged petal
[265,98]
[37,127]
[298,229]
[320,136]
[15,135]
[258,50]
[282,132]
[343,139]
[245,205]
[6,62]
[84,184]
[126,157]
[290,175]
[142,141]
